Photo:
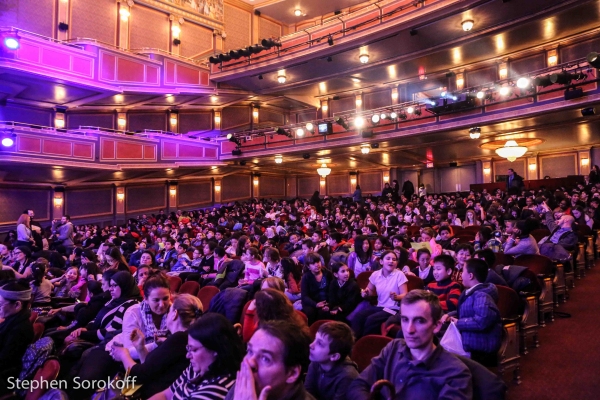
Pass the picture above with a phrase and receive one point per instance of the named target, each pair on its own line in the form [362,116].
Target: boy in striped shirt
[444,287]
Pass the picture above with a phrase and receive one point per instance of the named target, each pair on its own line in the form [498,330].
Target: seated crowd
[107,300]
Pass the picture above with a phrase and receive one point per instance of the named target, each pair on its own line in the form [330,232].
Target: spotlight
[586,112]
[418,112]
[306,156]
[523,83]
[230,136]
[504,91]
[594,59]
[474,133]
[299,132]
[565,78]
[329,59]
[393,115]
[268,43]
[340,121]
[255,49]
[359,122]
[310,127]
[403,115]
[283,132]
[467,25]
[8,141]
[214,60]
[480,95]
[12,43]
[375,119]
[224,57]
[410,110]
[542,81]
[363,58]
[330,40]
[235,54]
[365,149]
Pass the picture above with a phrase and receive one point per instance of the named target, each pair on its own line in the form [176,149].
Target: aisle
[567,363]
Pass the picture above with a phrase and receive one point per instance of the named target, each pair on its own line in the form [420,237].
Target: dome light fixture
[511,151]
[324,170]
[467,25]
[363,58]
[278,159]
[281,78]
[298,12]
[475,133]
[365,149]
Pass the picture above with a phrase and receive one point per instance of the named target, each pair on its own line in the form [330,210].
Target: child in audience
[255,269]
[315,288]
[331,371]
[463,253]
[41,288]
[447,290]
[64,284]
[424,269]
[344,293]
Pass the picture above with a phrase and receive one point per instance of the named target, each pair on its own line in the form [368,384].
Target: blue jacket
[479,320]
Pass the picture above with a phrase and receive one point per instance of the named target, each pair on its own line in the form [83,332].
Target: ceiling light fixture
[511,151]
[278,159]
[281,78]
[365,149]
[467,25]
[324,170]
[364,58]
[298,12]
[474,133]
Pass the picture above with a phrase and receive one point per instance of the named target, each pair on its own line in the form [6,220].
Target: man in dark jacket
[331,371]
[477,316]
[514,181]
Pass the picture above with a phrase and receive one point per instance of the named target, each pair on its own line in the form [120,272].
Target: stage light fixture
[341,122]
[402,115]
[523,82]
[542,81]
[281,131]
[330,40]
[214,60]
[393,115]
[8,141]
[565,78]
[229,136]
[310,127]
[359,122]
[375,119]
[268,43]
[418,112]
[594,59]
[383,116]
[12,42]
[410,110]
[504,91]
[255,49]
[224,57]
[480,94]
[299,132]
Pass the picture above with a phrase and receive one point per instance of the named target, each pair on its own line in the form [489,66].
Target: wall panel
[35,16]
[149,28]
[194,194]
[235,116]
[558,166]
[237,26]
[428,179]
[308,185]
[291,187]
[578,50]
[89,202]
[96,19]
[74,121]
[235,187]
[141,121]
[342,105]
[526,65]
[271,116]
[195,39]
[382,98]
[370,182]
[481,76]
[37,200]
[448,179]
[306,116]
[143,198]
[199,121]
[501,167]
[27,115]
[338,185]
[272,186]
[268,29]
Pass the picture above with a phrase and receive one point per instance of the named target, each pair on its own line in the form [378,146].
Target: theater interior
[110,109]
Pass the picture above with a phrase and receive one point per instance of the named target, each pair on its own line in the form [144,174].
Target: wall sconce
[324,106]
[386,178]
[552,58]
[121,122]
[585,162]
[124,13]
[502,71]
[217,119]
[173,119]
[217,188]
[120,196]
[394,94]
[353,181]
[59,122]
[255,113]
[173,191]
[460,81]
[255,181]
[487,170]
[175,30]
[58,201]
[322,182]
[532,167]
[358,102]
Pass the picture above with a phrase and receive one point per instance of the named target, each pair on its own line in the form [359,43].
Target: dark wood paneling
[578,50]
[526,65]
[306,116]
[370,182]
[344,104]
[191,194]
[235,187]
[338,185]
[272,186]
[141,121]
[141,198]
[308,185]
[27,115]
[74,121]
[481,76]
[271,116]
[378,99]
[235,116]
[14,201]
[89,202]
[195,122]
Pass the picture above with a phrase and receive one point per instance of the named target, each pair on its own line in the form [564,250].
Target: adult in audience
[158,369]
[24,235]
[415,365]
[215,352]
[64,233]
[521,242]
[114,259]
[21,262]
[16,331]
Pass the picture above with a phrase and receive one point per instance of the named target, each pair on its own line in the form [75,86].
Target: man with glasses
[64,232]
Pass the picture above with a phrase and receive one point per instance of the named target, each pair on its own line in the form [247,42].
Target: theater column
[58,203]
[62,16]
[123,27]
[120,197]
[173,196]
[486,171]
[584,162]
[323,186]
[217,191]
[255,183]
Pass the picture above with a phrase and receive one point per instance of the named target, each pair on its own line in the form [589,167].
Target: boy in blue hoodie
[331,371]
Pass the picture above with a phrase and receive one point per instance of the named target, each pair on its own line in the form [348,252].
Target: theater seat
[543,268]
[363,279]
[33,317]
[38,331]
[511,311]
[46,373]
[366,348]
[316,325]
[190,287]
[414,282]
[504,259]
[206,294]
[174,283]
[472,229]
[83,292]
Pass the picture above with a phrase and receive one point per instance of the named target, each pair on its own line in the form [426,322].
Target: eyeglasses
[17,252]
[191,349]
[113,285]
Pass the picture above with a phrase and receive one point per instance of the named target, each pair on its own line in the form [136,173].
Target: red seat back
[46,373]
[190,287]
[132,269]
[363,279]
[366,348]
[244,311]
[316,325]
[509,302]
[472,229]
[538,264]
[33,317]
[206,294]
[38,331]
[504,259]
[304,317]
[411,264]
[414,282]
[174,283]
[539,234]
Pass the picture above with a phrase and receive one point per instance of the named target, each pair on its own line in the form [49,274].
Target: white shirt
[132,319]
[425,273]
[386,285]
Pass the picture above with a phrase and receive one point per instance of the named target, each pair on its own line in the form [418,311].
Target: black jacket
[16,333]
[346,297]
[332,384]
[310,288]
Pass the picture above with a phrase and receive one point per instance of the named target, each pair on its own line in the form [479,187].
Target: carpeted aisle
[567,363]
